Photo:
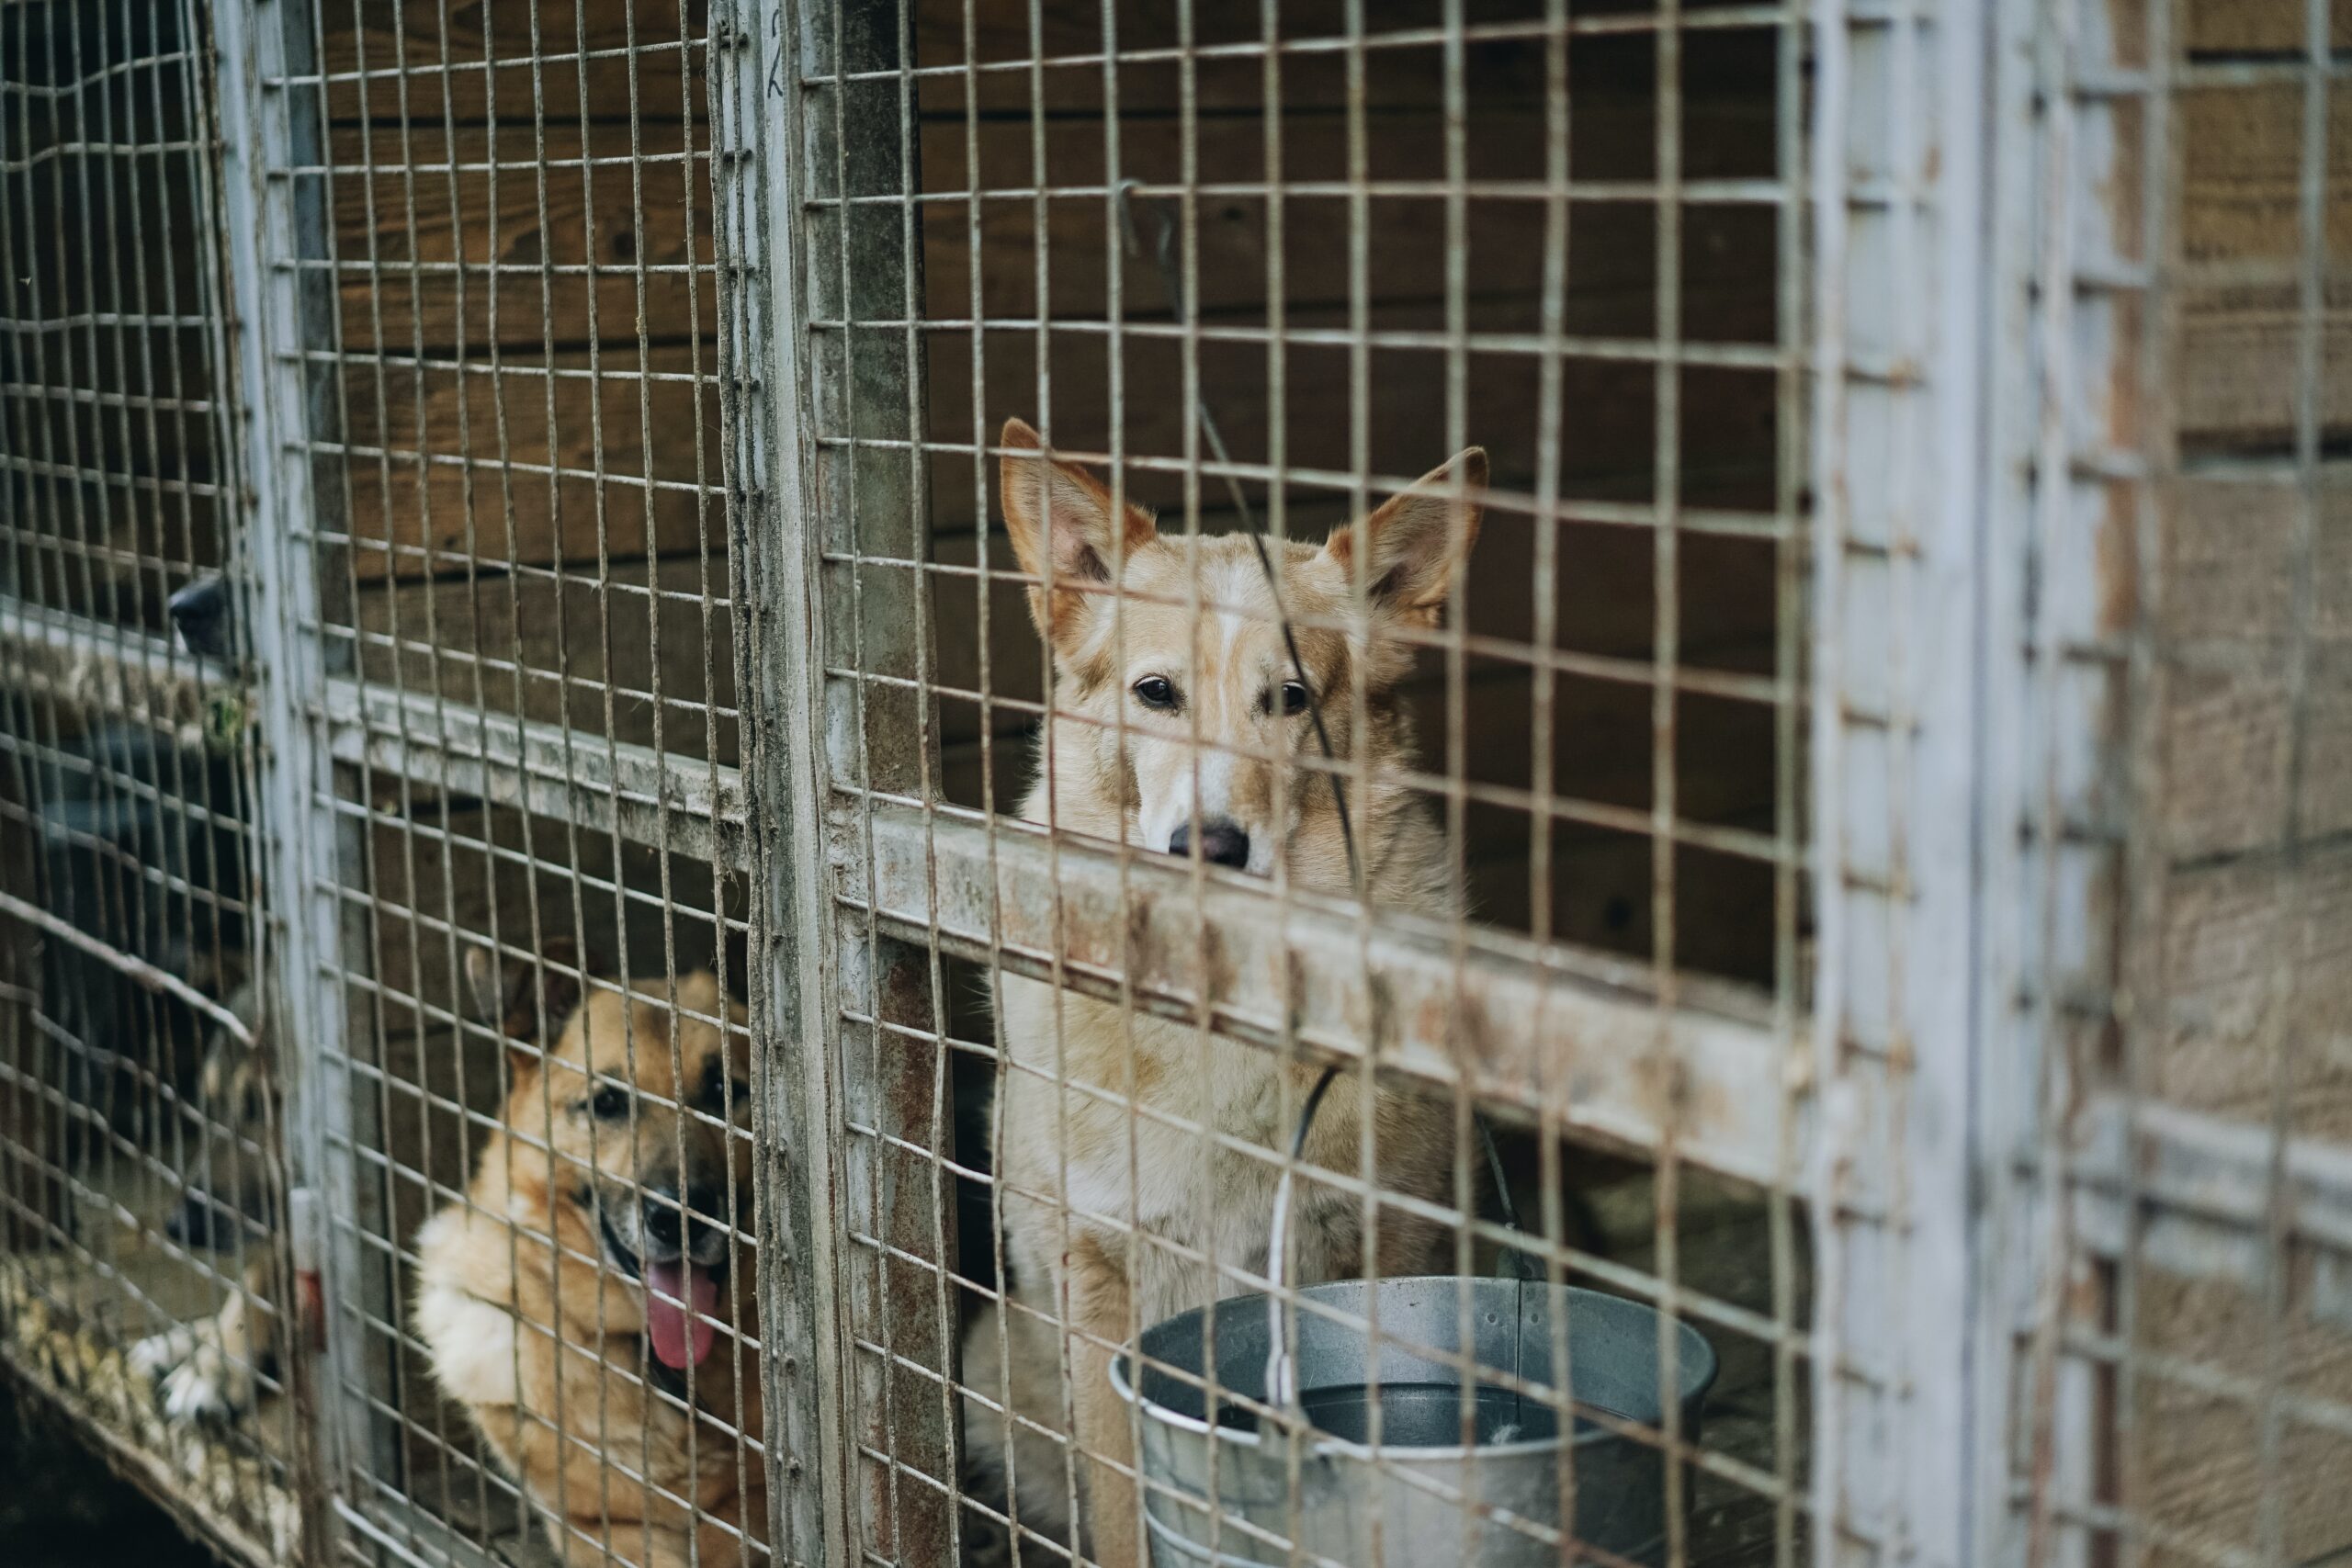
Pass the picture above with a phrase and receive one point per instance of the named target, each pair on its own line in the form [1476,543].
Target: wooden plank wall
[106,410]
[2230,578]
[2222,1037]
[528,320]
[1605,590]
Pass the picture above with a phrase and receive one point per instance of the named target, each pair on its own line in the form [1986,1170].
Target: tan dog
[1165,673]
[581,1302]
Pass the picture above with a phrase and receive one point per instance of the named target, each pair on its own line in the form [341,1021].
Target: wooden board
[1601,896]
[2235,369]
[1069,37]
[1404,59]
[478,643]
[2230,567]
[1728,448]
[490,48]
[1727,261]
[1613,135]
[419,892]
[2242,173]
[420,413]
[2197,1456]
[2227,734]
[2240,202]
[440,186]
[2238,28]
[2226,923]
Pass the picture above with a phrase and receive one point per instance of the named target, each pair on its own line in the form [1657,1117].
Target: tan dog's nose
[675,1228]
[1223,843]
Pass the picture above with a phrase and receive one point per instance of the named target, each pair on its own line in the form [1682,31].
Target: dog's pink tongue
[678,1305]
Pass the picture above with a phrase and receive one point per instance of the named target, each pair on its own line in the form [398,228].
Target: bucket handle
[1282,1372]
[1281,1368]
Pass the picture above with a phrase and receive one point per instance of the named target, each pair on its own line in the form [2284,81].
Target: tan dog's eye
[609,1103]
[1294,698]
[1158,692]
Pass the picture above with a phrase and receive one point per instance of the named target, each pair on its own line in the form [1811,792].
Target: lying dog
[127,819]
[1165,674]
[581,1301]
[209,1370]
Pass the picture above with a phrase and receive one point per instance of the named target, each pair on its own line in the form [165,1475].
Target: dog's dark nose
[672,1232]
[1222,842]
[200,611]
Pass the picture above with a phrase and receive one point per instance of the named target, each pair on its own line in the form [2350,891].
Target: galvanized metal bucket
[1223,1492]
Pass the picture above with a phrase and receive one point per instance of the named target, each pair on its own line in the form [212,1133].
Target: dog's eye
[610,1102]
[1156,692]
[1293,697]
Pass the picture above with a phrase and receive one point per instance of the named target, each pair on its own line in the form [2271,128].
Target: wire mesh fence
[1138,846]
[921,906]
[140,1189]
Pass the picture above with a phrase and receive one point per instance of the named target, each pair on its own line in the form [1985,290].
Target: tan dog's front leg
[1098,1309]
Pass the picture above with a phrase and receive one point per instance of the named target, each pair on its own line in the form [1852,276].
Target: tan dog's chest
[1169,1169]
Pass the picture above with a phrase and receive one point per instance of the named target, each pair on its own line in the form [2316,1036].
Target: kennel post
[283,308]
[774,552]
[856,299]
[1915,816]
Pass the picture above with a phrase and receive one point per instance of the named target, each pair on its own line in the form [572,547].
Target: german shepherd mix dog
[1162,673]
[209,1369]
[581,1301]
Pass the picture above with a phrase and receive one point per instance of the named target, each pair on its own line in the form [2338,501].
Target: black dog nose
[1222,842]
[200,611]
[676,1232]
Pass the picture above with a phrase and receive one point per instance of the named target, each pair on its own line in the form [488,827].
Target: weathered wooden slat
[1612,137]
[1404,63]
[1300,975]
[2240,27]
[1071,34]
[2235,368]
[2241,155]
[1607,431]
[2226,923]
[489,51]
[385,183]
[1602,897]
[596,427]
[2228,728]
[503,643]
[2240,205]
[482,869]
[1611,275]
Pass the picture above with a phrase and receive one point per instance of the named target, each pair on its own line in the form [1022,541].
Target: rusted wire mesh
[138,1105]
[872,776]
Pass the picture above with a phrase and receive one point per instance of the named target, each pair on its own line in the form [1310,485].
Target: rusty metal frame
[754,118]
[267,126]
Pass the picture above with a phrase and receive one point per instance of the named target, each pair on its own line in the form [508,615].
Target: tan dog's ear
[1418,541]
[1059,512]
[528,1001]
